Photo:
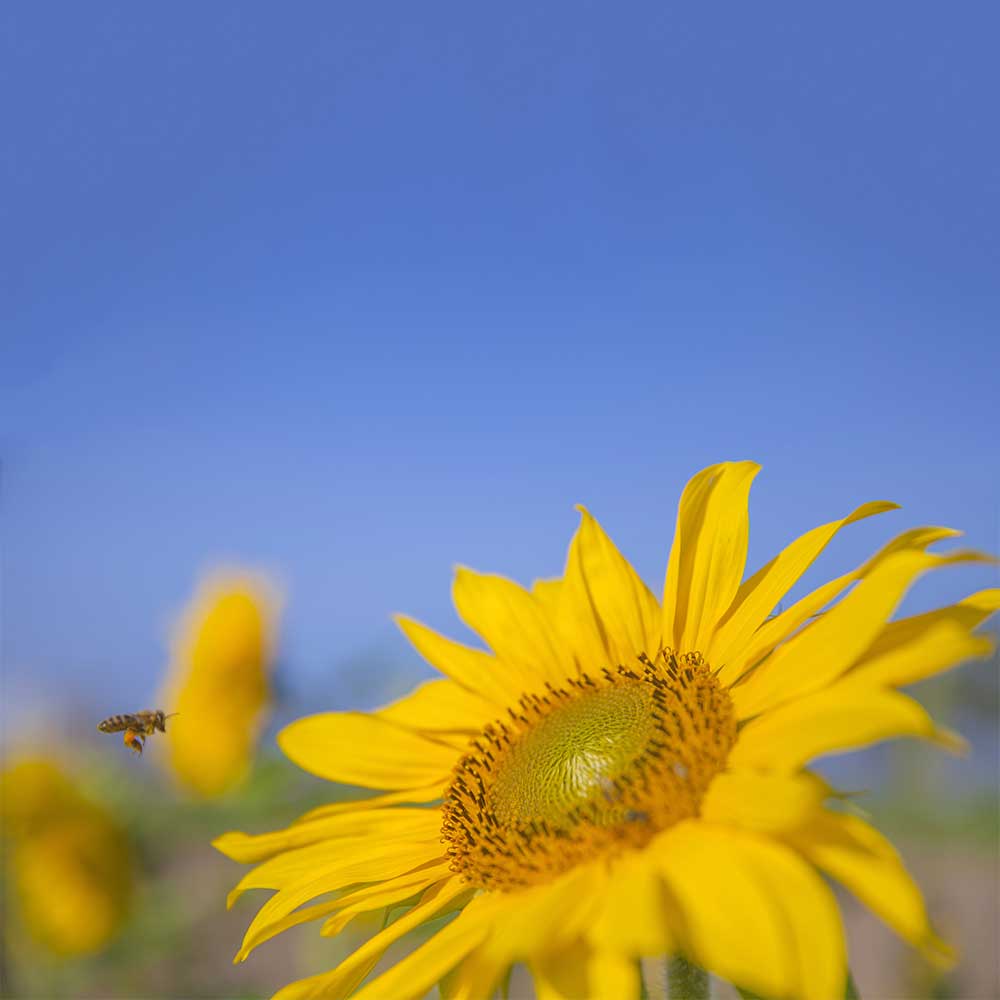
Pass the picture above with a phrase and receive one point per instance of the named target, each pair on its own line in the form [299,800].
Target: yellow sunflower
[69,861]
[620,777]
[219,682]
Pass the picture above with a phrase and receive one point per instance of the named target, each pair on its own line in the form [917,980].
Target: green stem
[686,981]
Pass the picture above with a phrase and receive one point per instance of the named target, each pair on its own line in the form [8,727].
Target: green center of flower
[581,771]
[573,755]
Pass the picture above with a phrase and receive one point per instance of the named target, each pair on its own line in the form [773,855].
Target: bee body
[136,726]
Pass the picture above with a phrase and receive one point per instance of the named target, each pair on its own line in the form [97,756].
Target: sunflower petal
[605,590]
[912,648]
[776,630]
[340,863]
[549,916]
[831,645]
[635,915]
[765,803]
[709,553]
[861,859]
[407,795]
[440,706]
[388,893]
[842,717]
[614,976]
[477,671]
[377,823]
[760,594]
[359,749]
[513,624]
[753,912]
[562,975]
[406,978]
[936,649]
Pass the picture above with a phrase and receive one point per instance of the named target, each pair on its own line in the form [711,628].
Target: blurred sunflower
[69,862]
[218,684]
[622,777]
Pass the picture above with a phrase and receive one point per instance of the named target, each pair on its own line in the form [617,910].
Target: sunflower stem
[686,981]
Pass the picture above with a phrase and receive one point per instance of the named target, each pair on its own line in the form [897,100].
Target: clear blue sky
[355,291]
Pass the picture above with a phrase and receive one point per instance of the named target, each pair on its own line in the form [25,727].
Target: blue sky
[353,292]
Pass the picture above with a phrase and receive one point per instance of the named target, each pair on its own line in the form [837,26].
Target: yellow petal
[300,916]
[562,975]
[474,979]
[841,718]
[708,555]
[376,823]
[776,630]
[860,858]
[760,594]
[634,917]
[427,794]
[913,648]
[542,918]
[477,671]
[831,645]
[390,892]
[935,649]
[359,749]
[441,706]
[513,624]
[340,863]
[341,981]
[765,803]
[614,976]
[605,592]
[753,912]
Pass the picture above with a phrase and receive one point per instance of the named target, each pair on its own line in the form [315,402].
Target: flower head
[69,861]
[219,682]
[620,777]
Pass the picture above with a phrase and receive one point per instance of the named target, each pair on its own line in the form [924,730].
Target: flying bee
[136,727]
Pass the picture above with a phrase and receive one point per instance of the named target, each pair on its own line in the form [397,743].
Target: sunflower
[69,862]
[620,777]
[218,685]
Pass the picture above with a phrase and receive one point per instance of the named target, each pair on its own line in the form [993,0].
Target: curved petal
[543,918]
[765,803]
[345,908]
[841,718]
[340,863]
[441,706]
[391,892]
[708,555]
[760,594]
[777,629]
[605,591]
[913,648]
[614,976]
[636,915]
[477,671]
[754,912]
[359,749]
[407,795]
[562,975]
[861,859]
[929,652]
[413,975]
[831,645]
[513,624]
[375,823]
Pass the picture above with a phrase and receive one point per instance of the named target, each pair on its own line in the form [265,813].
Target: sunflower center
[584,770]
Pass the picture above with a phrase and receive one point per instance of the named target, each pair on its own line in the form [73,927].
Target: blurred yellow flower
[218,685]
[621,776]
[69,862]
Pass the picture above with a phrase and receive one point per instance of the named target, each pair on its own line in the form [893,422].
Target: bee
[136,727]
